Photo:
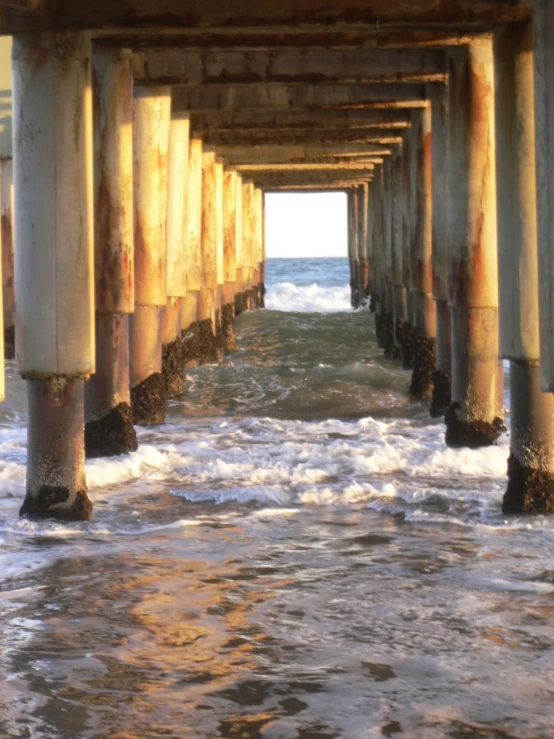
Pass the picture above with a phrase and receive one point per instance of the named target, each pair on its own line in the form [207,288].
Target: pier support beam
[207,295]
[152,112]
[442,378]
[8,291]
[172,348]
[230,215]
[52,101]
[399,292]
[190,325]
[424,315]
[109,424]
[531,463]
[475,417]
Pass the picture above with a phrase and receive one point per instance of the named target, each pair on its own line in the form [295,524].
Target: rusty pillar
[152,113]
[442,378]
[207,295]
[190,325]
[8,292]
[352,200]
[399,292]
[363,275]
[543,48]
[475,417]
[109,425]
[531,463]
[424,314]
[178,162]
[54,262]
[405,327]
[229,257]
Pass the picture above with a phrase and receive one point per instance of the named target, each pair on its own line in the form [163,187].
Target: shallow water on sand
[295,554]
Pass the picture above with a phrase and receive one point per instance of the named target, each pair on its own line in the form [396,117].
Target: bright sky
[305,224]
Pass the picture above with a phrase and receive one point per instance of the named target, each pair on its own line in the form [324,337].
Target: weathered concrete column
[54,278]
[424,315]
[362,256]
[379,257]
[219,259]
[531,463]
[387,315]
[208,245]
[247,242]
[371,245]
[8,292]
[475,416]
[152,113]
[442,378]
[240,304]
[192,258]
[543,46]
[259,247]
[399,292]
[352,207]
[109,423]
[178,162]
[229,257]
[404,328]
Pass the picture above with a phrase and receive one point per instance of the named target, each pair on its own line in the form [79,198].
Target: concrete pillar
[442,378]
[259,247]
[239,287]
[404,329]
[54,264]
[531,463]
[371,245]
[6,214]
[399,292]
[192,258]
[363,275]
[352,206]
[475,415]
[380,259]
[152,114]
[207,295]
[543,44]
[109,424]
[424,315]
[247,242]
[229,256]
[178,162]
[387,316]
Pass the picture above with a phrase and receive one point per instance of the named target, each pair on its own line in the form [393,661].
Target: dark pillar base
[112,434]
[408,346]
[9,342]
[190,347]
[228,326]
[207,343]
[372,302]
[172,368]
[354,294]
[529,490]
[441,398]
[148,401]
[399,338]
[421,385]
[473,434]
[240,303]
[261,295]
[41,506]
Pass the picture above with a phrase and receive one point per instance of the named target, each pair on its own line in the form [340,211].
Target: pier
[133,170]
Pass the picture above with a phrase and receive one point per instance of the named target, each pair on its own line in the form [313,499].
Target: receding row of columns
[451,255]
[135,249]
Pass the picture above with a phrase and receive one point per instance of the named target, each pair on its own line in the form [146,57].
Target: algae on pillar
[109,424]
[152,113]
[531,462]
[475,417]
[54,267]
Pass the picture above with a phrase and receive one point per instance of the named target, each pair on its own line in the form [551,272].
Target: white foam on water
[286,296]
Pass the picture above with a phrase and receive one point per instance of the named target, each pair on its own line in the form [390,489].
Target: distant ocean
[295,554]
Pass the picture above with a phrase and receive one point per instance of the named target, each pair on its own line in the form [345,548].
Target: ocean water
[295,554]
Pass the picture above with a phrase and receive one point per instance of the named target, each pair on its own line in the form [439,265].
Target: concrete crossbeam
[176,66]
[297,154]
[300,119]
[29,15]
[279,96]
[287,138]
